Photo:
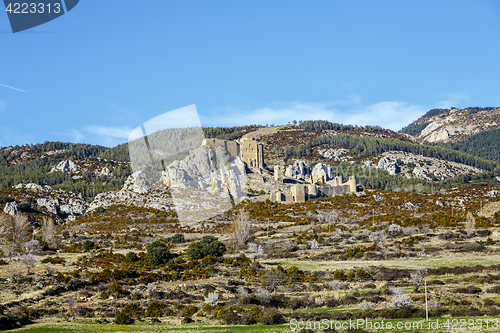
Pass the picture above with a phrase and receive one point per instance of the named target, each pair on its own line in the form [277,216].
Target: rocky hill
[452,125]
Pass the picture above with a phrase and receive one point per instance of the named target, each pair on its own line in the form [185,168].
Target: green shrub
[6,199]
[208,245]
[155,309]
[25,206]
[88,245]
[178,238]
[132,257]
[157,254]
[53,260]
[122,318]
[99,210]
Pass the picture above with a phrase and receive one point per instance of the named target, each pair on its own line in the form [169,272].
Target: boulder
[12,208]
[322,173]
[138,182]
[49,204]
[66,166]
[104,172]
[298,170]
[388,165]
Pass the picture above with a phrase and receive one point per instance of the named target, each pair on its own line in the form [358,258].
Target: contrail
[4,85]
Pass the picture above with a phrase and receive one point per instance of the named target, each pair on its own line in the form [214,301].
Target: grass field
[456,260]
[471,324]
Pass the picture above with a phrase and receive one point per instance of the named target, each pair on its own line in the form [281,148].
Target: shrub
[364,306]
[99,210]
[157,254]
[122,318]
[155,309]
[399,299]
[178,238]
[88,245]
[212,299]
[132,257]
[271,318]
[208,245]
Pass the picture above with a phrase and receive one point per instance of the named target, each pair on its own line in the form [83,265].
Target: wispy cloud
[114,132]
[14,88]
[389,114]
[106,135]
[456,99]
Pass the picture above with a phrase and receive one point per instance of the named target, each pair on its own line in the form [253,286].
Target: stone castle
[319,181]
[250,150]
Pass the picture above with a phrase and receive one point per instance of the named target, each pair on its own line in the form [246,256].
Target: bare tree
[33,247]
[399,298]
[418,277]
[378,237]
[256,251]
[49,232]
[470,224]
[273,278]
[14,231]
[28,260]
[241,228]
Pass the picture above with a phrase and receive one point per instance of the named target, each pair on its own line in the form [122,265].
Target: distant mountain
[453,125]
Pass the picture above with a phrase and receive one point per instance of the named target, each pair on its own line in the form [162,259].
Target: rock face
[138,182]
[66,166]
[209,170]
[388,165]
[12,208]
[49,204]
[322,173]
[104,172]
[298,170]
[64,205]
[199,186]
[456,124]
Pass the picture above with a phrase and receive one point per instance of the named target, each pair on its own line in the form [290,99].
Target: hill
[453,125]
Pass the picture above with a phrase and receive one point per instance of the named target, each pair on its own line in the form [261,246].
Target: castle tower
[352,184]
[279,173]
[298,193]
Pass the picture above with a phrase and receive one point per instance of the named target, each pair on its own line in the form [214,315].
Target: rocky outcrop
[389,165]
[209,170]
[339,154]
[199,186]
[12,208]
[456,124]
[322,173]
[66,166]
[62,204]
[297,170]
[138,182]
[49,204]
[104,172]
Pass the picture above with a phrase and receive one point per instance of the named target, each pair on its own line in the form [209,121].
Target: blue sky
[104,68]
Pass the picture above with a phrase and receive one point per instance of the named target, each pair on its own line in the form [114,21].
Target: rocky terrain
[412,165]
[442,125]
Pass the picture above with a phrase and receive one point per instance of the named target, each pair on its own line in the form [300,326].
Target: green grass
[467,260]
[142,327]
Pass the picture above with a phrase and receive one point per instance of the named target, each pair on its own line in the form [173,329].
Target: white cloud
[113,132]
[456,99]
[389,114]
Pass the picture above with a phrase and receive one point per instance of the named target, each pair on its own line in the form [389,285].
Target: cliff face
[453,125]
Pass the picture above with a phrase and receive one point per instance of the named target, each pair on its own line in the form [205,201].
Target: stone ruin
[309,184]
